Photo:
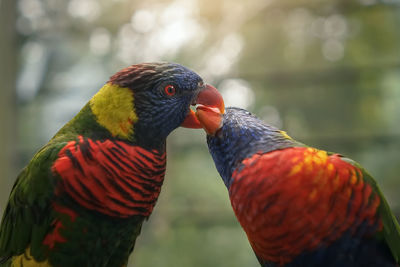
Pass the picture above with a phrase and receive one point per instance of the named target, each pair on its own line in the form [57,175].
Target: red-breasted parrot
[83,197]
[299,206]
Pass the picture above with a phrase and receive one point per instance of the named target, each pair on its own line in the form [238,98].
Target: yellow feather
[27,260]
[114,109]
[296,168]
[285,135]
[323,156]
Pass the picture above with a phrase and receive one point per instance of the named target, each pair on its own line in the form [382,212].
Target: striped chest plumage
[111,177]
[297,200]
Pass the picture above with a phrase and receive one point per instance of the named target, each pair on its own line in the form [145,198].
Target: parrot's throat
[113,107]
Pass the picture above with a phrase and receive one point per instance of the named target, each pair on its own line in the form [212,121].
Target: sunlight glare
[237,93]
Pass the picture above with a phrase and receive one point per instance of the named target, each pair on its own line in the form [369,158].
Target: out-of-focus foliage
[328,72]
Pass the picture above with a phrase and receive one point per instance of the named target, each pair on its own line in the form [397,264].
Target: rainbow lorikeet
[298,205]
[82,199]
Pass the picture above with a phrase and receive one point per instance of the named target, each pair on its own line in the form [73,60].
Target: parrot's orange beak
[210,119]
[208,98]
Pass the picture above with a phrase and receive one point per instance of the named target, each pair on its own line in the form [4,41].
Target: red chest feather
[111,177]
[292,200]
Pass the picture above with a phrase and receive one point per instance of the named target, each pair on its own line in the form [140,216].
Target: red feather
[54,236]
[111,177]
[292,200]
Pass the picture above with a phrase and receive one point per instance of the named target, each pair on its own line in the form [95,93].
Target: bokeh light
[236,93]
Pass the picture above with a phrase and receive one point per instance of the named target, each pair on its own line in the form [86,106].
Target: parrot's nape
[82,198]
[298,205]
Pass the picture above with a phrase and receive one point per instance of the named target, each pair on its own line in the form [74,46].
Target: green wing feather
[27,217]
[391,228]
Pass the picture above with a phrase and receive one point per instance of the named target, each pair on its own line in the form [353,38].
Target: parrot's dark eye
[169,90]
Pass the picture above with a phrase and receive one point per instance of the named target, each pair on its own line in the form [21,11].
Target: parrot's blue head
[162,96]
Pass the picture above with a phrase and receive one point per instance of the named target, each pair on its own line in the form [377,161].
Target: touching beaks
[191,121]
[210,119]
[208,98]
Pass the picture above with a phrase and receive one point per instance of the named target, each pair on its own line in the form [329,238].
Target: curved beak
[210,119]
[208,98]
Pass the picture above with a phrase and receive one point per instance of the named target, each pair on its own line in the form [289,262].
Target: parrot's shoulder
[391,228]
[27,214]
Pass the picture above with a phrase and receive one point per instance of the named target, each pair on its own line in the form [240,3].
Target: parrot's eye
[169,90]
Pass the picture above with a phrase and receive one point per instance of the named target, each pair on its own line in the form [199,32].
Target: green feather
[27,214]
[391,228]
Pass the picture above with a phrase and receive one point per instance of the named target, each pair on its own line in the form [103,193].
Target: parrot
[83,197]
[299,205]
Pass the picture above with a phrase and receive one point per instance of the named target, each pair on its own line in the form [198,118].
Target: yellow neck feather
[27,260]
[285,135]
[114,109]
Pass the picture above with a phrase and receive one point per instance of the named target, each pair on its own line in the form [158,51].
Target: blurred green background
[327,72]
